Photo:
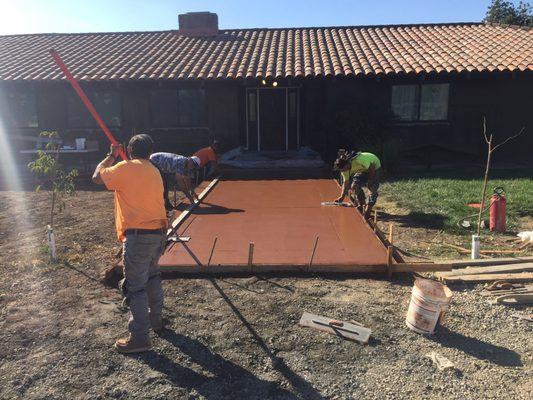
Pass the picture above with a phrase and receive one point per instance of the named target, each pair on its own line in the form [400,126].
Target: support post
[389,262]
[390,233]
[251,256]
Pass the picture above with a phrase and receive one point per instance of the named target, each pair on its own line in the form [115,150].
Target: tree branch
[509,138]
[485,129]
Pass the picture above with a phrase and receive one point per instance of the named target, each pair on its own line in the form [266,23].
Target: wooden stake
[251,256]
[390,234]
[313,253]
[389,261]
[212,251]
[375,219]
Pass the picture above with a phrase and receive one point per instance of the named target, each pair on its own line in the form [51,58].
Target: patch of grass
[438,199]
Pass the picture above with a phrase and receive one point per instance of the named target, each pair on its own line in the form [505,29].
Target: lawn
[438,199]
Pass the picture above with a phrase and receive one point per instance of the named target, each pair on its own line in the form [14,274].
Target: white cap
[196,161]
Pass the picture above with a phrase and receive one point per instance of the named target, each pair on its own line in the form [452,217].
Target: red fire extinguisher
[497,210]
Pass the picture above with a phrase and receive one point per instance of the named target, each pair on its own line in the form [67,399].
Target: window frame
[15,124]
[90,95]
[419,103]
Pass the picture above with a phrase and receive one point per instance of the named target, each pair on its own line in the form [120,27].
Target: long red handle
[85,100]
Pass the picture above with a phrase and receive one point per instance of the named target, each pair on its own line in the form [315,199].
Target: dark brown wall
[223,113]
[506,101]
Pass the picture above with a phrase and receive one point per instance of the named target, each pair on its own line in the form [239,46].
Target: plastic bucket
[429,303]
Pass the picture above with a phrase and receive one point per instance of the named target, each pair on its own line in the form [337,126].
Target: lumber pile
[518,272]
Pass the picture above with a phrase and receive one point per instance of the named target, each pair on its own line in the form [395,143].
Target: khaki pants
[142,286]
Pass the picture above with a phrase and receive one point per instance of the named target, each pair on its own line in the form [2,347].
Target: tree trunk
[485,181]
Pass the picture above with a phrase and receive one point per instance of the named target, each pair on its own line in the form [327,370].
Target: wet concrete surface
[282,218]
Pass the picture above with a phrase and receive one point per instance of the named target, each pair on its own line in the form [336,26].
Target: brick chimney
[203,23]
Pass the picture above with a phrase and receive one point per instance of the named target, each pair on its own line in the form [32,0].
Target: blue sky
[31,16]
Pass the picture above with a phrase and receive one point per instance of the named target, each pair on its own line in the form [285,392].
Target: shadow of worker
[477,348]
[222,379]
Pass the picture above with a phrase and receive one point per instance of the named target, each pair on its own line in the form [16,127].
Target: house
[419,87]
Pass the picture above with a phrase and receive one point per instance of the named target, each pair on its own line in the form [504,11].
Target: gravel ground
[231,338]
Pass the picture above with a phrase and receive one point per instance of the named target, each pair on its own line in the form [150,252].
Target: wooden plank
[490,269]
[420,267]
[519,277]
[490,261]
[299,268]
[513,299]
[343,329]
[178,221]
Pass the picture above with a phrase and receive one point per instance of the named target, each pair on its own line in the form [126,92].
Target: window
[427,102]
[23,109]
[183,107]
[164,106]
[106,103]
[191,107]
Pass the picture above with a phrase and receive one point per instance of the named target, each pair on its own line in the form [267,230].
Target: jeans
[142,284]
[361,179]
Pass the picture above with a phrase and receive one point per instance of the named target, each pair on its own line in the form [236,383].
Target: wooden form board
[496,269]
[490,261]
[345,330]
[518,277]
[302,268]
[178,221]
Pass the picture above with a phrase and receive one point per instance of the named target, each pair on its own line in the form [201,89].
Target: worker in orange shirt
[208,158]
[141,223]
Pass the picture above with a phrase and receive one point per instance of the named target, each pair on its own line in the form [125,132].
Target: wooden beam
[491,269]
[299,268]
[519,277]
[490,261]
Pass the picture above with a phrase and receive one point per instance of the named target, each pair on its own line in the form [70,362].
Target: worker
[359,169]
[181,168]
[141,224]
[208,158]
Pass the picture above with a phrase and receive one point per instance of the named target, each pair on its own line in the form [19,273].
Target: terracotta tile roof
[260,53]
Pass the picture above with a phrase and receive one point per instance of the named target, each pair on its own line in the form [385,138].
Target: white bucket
[429,302]
[80,143]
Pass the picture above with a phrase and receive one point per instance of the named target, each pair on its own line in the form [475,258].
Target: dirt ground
[234,338]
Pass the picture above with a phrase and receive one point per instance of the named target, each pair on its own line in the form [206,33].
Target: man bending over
[170,165]
[358,170]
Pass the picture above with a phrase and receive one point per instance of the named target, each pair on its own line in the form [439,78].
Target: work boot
[130,345]
[158,324]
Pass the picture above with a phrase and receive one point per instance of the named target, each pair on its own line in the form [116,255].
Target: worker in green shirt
[359,170]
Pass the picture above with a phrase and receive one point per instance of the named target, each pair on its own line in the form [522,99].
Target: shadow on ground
[416,219]
[477,348]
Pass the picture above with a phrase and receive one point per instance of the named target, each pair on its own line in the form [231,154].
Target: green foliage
[48,169]
[439,199]
[505,12]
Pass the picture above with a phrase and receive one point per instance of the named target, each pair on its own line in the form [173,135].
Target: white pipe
[475,247]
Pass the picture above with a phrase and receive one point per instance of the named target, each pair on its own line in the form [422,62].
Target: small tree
[51,175]
[491,148]
[505,12]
